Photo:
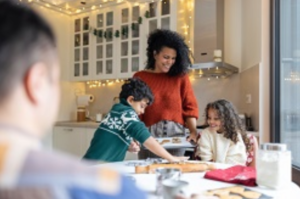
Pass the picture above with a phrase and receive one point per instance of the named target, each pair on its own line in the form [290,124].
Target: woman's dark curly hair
[138,89]
[160,38]
[230,120]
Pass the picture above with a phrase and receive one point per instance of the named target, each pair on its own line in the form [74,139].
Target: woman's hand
[134,147]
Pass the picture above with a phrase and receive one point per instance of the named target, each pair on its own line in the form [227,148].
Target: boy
[122,124]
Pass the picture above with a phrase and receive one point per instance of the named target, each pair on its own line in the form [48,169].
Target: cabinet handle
[68,130]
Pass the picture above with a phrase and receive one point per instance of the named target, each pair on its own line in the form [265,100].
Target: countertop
[94,125]
[85,124]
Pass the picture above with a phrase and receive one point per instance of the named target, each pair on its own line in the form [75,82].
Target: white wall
[251,33]
[61,25]
[233,32]
[242,33]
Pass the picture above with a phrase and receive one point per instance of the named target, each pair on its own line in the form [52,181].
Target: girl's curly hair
[230,120]
[160,38]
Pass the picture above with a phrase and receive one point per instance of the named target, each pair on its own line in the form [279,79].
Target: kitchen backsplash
[233,89]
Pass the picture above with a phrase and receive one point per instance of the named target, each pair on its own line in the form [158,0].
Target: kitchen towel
[236,174]
[84,100]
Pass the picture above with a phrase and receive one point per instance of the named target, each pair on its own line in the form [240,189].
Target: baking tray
[237,192]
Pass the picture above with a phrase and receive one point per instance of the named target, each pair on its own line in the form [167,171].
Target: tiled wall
[249,84]
[233,89]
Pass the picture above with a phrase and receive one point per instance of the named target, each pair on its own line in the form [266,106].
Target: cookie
[236,189]
[176,140]
[164,141]
[251,194]
[230,197]
[221,192]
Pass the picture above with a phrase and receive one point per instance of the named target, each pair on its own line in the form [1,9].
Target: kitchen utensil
[171,188]
[163,174]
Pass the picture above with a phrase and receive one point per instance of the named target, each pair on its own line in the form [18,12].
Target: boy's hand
[134,147]
[179,159]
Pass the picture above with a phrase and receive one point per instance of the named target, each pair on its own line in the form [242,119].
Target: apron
[161,129]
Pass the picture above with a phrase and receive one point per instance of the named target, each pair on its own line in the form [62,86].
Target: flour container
[273,166]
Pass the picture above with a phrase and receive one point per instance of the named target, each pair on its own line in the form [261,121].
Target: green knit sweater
[115,133]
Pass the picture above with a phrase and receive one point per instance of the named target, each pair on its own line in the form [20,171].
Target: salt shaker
[273,166]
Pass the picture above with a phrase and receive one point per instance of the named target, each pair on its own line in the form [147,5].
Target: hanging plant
[125,31]
[95,32]
[100,33]
[117,33]
[110,34]
[140,20]
[147,14]
[133,26]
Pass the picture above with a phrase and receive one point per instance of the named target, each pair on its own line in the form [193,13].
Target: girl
[223,141]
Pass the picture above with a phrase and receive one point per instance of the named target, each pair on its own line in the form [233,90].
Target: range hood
[218,70]
[209,41]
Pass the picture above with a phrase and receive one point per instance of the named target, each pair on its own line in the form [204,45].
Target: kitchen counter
[85,124]
[93,124]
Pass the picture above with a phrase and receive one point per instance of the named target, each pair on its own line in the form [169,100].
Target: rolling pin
[184,167]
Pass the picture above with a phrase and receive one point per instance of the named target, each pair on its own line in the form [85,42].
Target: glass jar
[273,166]
[81,114]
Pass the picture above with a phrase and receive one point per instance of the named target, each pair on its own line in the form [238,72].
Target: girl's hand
[192,137]
[134,147]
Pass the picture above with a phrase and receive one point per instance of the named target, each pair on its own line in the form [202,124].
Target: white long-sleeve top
[214,146]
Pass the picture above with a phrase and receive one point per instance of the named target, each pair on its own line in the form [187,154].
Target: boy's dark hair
[138,89]
[160,38]
[230,119]
[25,39]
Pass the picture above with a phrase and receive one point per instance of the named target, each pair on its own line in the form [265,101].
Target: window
[286,78]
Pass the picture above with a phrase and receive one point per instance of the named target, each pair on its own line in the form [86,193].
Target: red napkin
[236,174]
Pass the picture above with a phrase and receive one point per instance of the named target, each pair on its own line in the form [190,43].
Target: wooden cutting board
[185,167]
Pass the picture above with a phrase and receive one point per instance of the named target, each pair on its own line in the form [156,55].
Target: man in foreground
[29,99]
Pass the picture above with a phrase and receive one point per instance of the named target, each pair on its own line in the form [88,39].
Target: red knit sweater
[174,99]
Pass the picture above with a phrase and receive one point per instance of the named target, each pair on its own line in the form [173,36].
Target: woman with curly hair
[175,106]
[224,140]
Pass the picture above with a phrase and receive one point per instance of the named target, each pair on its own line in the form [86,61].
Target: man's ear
[130,99]
[34,82]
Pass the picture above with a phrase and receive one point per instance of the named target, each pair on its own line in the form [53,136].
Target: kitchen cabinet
[89,134]
[104,50]
[209,28]
[110,43]
[72,140]
[81,45]
[76,140]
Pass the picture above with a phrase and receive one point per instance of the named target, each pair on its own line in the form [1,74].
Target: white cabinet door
[81,51]
[89,134]
[69,140]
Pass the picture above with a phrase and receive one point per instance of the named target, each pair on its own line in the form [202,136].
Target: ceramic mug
[163,174]
[171,188]
[98,117]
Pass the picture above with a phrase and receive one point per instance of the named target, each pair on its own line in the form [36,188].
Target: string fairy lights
[74,10]
[103,83]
